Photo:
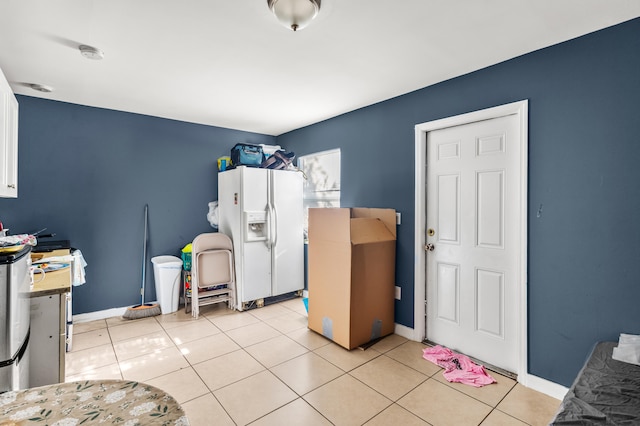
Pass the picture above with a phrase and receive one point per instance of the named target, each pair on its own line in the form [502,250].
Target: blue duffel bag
[244,154]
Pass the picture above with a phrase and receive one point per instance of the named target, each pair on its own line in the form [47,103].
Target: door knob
[429,247]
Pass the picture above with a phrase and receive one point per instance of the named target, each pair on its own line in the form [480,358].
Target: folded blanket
[628,349]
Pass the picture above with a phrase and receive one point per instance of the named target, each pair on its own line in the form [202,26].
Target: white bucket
[166,271]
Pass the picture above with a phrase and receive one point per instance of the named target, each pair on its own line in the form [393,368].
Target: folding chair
[212,271]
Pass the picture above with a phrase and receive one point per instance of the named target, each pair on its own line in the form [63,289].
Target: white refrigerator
[261,210]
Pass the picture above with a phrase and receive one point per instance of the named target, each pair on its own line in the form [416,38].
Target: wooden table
[54,282]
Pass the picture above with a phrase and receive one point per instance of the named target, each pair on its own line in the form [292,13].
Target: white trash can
[166,271]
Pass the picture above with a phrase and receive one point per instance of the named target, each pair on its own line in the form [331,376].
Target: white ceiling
[229,63]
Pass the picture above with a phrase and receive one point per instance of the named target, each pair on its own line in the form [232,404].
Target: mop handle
[144,254]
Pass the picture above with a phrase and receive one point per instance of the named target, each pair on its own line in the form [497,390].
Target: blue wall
[86,174]
[584,179]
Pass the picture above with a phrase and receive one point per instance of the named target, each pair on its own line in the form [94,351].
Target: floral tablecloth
[118,402]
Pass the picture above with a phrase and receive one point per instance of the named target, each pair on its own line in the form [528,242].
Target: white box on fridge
[261,210]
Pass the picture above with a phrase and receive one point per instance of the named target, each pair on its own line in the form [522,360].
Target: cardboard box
[352,255]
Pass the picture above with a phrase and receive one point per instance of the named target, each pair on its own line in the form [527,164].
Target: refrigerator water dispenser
[255,226]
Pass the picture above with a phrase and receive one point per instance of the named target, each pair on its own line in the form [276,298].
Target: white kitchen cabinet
[8,140]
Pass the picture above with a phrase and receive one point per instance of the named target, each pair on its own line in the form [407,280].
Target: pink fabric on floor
[458,368]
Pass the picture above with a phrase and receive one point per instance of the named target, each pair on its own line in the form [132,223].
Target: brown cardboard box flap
[369,230]
[329,224]
[387,216]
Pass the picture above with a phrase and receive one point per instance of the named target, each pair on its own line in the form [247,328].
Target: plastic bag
[212,216]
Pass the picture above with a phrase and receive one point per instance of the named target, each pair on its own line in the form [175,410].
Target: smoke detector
[41,88]
[90,52]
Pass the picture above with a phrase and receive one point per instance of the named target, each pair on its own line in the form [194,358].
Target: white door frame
[521,110]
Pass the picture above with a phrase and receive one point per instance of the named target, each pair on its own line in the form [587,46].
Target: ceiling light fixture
[90,52]
[41,88]
[294,14]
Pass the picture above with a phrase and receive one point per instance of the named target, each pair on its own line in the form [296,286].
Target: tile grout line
[266,369]
[393,402]
[211,392]
[307,352]
[113,348]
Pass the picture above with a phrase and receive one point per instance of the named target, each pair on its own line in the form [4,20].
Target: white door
[473,239]
[288,239]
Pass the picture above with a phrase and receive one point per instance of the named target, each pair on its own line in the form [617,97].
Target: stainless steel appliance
[15,287]
[261,210]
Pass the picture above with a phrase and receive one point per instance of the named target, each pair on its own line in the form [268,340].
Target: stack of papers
[53,263]
[54,259]
[628,349]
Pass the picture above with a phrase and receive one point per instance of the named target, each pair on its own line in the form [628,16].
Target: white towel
[628,349]
[77,268]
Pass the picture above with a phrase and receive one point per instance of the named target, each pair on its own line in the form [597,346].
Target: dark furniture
[606,392]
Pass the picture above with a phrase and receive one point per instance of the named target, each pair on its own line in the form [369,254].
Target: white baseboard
[98,315]
[544,386]
[406,332]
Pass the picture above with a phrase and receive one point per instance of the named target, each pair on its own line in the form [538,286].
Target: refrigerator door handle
[269,236]
[274,216]
[268,241]
[274,239]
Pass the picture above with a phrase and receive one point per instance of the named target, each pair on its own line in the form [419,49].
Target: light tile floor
[264,367]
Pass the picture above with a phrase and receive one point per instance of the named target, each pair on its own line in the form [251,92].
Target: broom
[143,310]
